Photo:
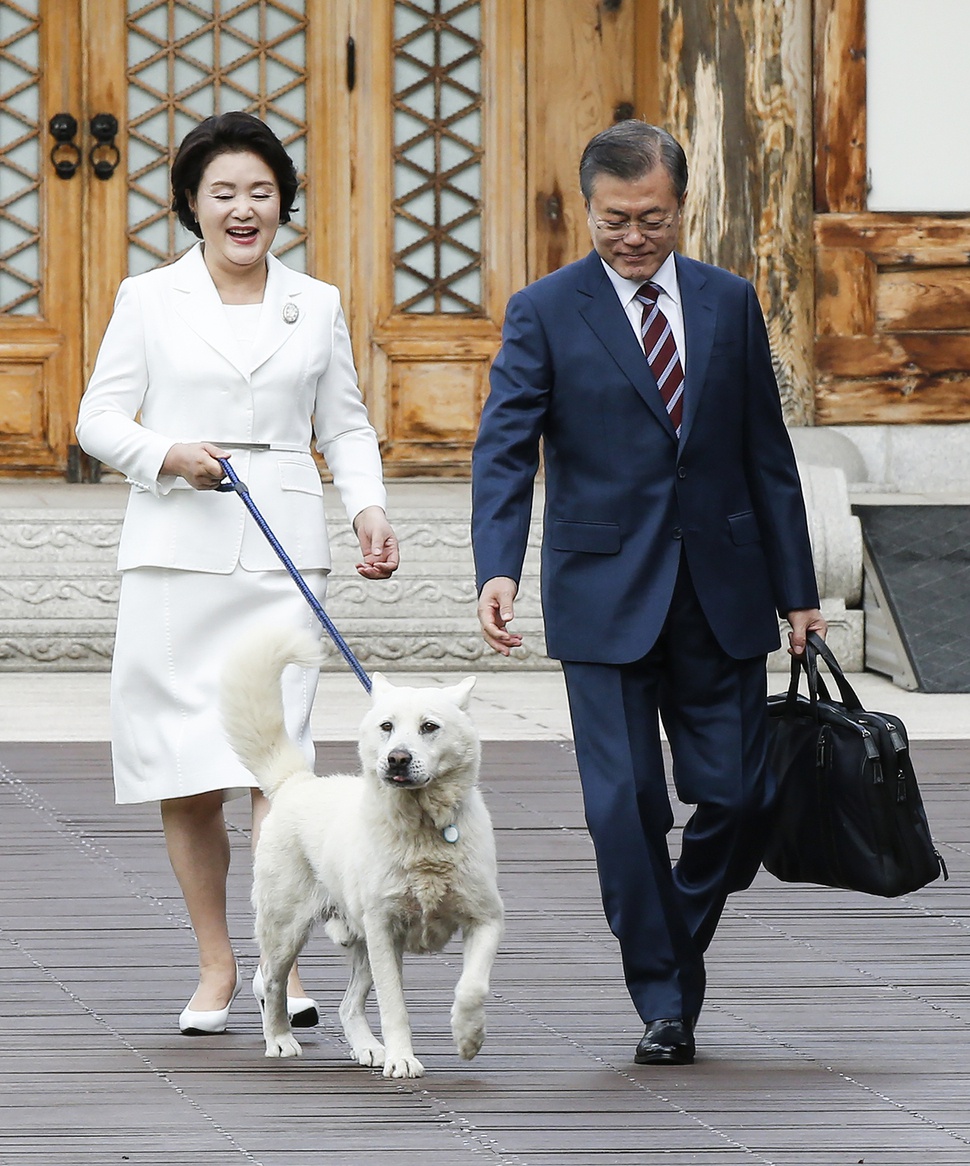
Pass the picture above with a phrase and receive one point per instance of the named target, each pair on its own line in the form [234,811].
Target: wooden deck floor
[836,1030]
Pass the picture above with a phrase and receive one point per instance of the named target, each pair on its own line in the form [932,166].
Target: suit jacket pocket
[744,528]
[302,476]
[595,538]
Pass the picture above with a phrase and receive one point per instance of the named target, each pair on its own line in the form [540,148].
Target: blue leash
[239,486]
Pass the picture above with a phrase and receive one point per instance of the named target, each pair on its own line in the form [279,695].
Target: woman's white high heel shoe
[195,1023]
[302,1011]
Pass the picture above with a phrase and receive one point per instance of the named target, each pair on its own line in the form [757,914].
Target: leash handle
[238,486]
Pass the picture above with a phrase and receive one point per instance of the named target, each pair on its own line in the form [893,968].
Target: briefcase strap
[808,662]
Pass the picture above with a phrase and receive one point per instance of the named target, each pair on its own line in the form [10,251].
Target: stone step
[59,586]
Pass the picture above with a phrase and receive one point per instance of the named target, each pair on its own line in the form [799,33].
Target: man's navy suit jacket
[624,497]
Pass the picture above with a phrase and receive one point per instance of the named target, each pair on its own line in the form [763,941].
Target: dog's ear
[380,685]
[460,693]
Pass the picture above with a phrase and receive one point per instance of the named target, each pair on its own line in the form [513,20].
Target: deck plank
[836,1028]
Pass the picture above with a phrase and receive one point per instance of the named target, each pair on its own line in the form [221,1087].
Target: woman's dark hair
[628,150]
[229,133]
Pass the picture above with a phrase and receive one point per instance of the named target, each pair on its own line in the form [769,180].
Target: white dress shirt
[668,301]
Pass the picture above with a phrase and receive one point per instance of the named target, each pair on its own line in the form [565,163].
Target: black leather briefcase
[849,812]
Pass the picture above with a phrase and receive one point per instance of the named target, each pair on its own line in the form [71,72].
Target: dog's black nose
[398,761]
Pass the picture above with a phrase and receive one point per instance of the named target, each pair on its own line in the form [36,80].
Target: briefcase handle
[814,648]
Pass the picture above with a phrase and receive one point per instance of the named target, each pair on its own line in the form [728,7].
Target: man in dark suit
[674,531]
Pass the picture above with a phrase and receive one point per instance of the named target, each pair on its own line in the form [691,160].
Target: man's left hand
[378,544]
[804,620]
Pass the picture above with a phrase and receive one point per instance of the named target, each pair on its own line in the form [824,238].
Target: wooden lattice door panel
[892,290]
[40,240]
[438,115]
[436,154]
[21,159]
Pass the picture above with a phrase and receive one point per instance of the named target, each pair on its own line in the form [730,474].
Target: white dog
[396,858]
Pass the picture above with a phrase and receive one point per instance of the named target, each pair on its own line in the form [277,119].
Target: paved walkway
[508,705]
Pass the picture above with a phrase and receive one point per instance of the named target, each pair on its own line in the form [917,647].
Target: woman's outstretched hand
[378,544]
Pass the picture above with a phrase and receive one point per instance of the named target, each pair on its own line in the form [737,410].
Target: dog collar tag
[450,833]
[291,313]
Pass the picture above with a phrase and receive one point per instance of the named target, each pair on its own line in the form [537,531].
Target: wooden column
[736,90]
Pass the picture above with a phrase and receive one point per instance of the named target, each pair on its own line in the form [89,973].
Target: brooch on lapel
[291,313]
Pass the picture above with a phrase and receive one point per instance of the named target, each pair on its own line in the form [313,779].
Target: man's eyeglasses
[649,228]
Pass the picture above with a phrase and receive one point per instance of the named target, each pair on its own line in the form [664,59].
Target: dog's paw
[468,1029]
[285,1045]
[469,1044]
[370,1056]
[403,1066]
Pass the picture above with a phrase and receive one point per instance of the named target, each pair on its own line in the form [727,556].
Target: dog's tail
[252,702]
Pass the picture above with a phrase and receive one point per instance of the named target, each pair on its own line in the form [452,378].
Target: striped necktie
[661,352]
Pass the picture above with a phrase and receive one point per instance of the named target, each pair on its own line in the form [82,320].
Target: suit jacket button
[677,532]
[681,471]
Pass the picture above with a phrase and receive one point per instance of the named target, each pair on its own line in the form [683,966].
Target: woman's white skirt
[176,630]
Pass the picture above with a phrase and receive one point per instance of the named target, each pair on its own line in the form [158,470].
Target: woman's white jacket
[169,370]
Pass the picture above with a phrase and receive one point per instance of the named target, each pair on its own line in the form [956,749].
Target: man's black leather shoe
[666,1042]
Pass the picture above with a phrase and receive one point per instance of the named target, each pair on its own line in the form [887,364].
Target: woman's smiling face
[237,207]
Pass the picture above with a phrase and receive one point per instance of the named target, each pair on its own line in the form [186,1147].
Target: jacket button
[681,471]
[677,532]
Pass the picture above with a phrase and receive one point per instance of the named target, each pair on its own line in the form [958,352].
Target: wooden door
[436,245]
[69,236]
[437,140]
[467,120]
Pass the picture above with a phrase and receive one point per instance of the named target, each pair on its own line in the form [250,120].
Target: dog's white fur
[366,852]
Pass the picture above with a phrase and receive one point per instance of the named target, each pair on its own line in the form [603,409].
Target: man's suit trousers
[713,711]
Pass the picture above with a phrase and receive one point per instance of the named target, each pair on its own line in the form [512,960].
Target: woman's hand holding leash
[196,462]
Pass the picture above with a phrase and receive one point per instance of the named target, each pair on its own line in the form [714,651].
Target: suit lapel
[197,303]
[601,309]
[700,316]
[283,314]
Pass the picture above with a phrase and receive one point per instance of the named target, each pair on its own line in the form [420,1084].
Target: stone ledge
[59,586]
[59,591]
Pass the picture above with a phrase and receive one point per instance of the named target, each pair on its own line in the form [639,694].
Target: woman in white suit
[224,353]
